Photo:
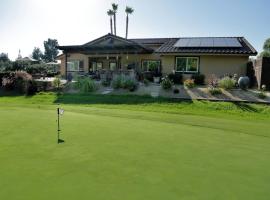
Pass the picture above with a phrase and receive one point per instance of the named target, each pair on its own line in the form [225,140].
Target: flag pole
[58,125]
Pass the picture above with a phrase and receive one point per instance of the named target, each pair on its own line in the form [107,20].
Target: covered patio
[105,58]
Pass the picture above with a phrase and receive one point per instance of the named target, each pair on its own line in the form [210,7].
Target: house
[190,55]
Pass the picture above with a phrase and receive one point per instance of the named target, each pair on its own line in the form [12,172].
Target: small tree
[4,57]
[50,50]
[37,54]
[57,83]
[266,49]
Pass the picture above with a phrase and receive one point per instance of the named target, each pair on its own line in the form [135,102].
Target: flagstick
[58,125]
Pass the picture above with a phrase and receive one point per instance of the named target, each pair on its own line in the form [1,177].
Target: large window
[113,66]
[151,65]
[95,66]
[75,66]
[187,64]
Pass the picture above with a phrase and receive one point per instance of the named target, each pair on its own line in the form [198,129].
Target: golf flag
[61,111]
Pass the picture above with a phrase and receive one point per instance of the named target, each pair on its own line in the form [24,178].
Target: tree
[266,49]
[128,11]
[111,13]
[4,57]
[114,8]
[37,54]
[50,50]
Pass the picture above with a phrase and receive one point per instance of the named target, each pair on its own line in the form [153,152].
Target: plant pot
[156,79]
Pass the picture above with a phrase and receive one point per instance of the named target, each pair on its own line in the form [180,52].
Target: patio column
[66,64]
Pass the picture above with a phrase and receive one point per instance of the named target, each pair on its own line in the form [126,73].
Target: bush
[262,94]
[214,91]
[56,83]
[227,83]
[129,84]
[122,82]
[146,82]
[166,83]
[19,81]
[198,79]
[213,81]
[117,82]
[176,91]
[85,85]
[189,83]
[106,83]
[177,78]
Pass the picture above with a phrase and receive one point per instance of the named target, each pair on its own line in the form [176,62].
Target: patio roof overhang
[108,44]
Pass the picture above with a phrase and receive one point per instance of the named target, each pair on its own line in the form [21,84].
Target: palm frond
[129,10]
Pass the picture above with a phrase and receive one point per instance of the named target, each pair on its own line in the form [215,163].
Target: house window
[95,66]
[150,65]
[187,64]
[113,66]
[75,66]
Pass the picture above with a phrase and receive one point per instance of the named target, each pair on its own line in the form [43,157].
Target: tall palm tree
[114,8]
[129,11]
[110,13]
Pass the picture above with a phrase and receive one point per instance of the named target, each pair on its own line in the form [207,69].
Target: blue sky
[25,24]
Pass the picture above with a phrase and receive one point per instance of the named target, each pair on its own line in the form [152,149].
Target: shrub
[213,81]
[189,83]
[117,82]
[214,91]
[85,85]
[146,82]
[129,84]
[19,81]
[106,83]
[56,83]
[176,90]
[243,82]
[177,78]
[227,83]
[166,83]
[198,79]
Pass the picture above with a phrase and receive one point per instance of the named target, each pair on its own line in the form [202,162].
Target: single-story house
[187,55]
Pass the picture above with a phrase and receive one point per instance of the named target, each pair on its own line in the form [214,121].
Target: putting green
[112,153]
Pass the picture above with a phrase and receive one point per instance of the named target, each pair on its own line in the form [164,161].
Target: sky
[25,24]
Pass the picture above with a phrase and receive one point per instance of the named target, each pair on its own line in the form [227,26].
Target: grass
[133,147]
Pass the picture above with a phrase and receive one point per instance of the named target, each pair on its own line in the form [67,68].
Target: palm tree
[110,13]
[114,8]
[129,11]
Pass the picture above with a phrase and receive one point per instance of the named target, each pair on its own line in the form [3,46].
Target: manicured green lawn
[133,148]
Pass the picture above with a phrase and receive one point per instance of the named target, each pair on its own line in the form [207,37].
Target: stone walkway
[197,93]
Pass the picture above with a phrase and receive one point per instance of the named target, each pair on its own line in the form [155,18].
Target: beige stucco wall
[209,64]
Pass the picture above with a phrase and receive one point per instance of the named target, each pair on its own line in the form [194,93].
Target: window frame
[187,72]
[147,60]
[80,68]
[113,62]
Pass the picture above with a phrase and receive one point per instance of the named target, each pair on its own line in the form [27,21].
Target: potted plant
[154,69]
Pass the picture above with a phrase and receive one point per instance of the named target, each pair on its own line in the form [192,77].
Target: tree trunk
[111,25]
[114,19]
[127,27]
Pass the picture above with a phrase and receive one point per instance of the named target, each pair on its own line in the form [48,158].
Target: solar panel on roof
[232,42]
[208,42]
[182,42]
[194,42]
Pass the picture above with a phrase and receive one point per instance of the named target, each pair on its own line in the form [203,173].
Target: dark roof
[167,46]
[107,43]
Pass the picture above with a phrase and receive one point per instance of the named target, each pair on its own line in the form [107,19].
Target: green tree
[266,49]
[114,8]
[37,54]
[50,50]
[128,11]
[111,14]
[4,57]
